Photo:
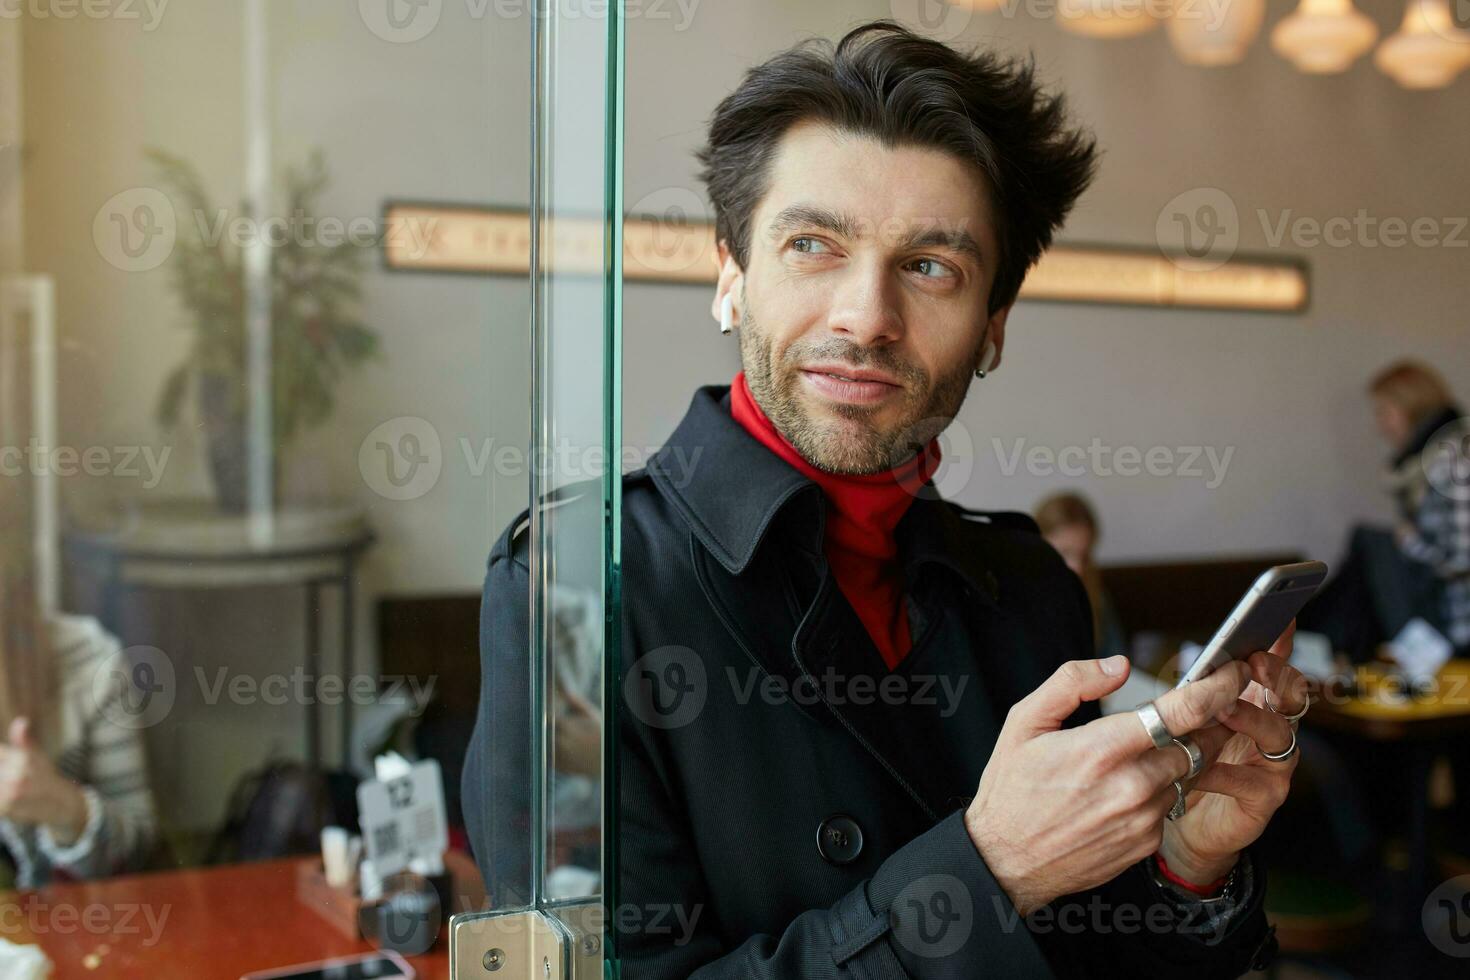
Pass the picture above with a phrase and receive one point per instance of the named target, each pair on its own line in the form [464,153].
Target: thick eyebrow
[797,216]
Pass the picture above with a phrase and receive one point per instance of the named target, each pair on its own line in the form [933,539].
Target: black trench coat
[781,812]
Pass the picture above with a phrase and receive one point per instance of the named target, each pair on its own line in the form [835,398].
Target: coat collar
[730,489]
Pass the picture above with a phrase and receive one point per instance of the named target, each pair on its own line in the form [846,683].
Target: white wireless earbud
[987,360]
[727,312]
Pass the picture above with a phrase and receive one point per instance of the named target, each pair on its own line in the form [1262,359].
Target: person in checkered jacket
[1420,569]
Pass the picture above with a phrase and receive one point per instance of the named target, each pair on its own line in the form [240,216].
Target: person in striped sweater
[75,802]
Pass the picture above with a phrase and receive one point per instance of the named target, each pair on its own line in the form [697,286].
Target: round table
[187,544]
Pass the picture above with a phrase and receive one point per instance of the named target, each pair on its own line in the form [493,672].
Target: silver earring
[727,313]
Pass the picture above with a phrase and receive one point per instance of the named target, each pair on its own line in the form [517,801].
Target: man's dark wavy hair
[888,83]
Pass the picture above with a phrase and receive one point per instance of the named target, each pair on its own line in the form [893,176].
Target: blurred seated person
[1069,525]
[1421,568]
[74,796]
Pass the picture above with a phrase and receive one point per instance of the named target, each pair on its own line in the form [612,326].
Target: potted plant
[316,335]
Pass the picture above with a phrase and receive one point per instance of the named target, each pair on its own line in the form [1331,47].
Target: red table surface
[206,923]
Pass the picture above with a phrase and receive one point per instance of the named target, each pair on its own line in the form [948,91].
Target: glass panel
[280,457]
[576,316]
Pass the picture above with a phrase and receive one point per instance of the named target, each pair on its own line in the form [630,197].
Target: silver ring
[1281,756]
[1195,753]
[1177,810]
[1153,723]
[1291,719]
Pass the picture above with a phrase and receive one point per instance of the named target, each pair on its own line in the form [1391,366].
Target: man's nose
[864,306]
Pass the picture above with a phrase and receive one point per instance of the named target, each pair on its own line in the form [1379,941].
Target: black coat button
[839,839]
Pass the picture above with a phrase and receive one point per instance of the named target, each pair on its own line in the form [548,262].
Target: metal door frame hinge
[559,943]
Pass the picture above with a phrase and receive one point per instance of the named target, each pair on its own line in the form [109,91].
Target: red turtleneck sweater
[862,513]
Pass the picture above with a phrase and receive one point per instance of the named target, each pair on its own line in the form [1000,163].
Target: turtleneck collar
[862,513]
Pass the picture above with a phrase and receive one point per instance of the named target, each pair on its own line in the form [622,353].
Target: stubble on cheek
[847,438]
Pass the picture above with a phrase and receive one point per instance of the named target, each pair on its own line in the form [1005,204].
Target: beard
[849,439]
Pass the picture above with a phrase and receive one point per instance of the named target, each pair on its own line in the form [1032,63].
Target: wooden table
[1382,712]
[198,924]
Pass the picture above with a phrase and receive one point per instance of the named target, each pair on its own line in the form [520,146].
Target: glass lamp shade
[1211,35]
[1323,37]
[1428,51]
[1107,18]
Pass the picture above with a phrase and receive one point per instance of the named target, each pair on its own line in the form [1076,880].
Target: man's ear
[729,276]
[995,333]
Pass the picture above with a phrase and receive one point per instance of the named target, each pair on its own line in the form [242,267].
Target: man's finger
[1283,646]
[1166,765]
[1268,730]
[1183,709]
[1076,681]
[1249,784]
[1285,685]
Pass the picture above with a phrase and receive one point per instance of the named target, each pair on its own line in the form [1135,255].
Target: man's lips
[839,382]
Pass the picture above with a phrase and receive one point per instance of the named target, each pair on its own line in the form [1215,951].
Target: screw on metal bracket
[494,959]
[590,945]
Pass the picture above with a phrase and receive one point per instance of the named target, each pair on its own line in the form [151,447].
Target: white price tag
[404,817]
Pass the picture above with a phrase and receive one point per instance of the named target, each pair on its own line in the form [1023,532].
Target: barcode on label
[386,839]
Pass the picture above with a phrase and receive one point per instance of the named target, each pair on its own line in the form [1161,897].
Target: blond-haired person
[1421,569]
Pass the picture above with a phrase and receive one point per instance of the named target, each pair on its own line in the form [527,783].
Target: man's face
[862,308]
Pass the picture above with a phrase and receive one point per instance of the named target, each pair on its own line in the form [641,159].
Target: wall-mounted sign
[491,241]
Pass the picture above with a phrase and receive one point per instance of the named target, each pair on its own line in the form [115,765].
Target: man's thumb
[20,733]
[1076,681]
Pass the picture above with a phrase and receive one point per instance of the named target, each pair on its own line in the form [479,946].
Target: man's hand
[33,792]
[1232,801]
[1060,811]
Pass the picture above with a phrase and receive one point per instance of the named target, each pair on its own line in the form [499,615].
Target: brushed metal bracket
[562,943]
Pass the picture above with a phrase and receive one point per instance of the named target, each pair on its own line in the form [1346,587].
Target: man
[860,735]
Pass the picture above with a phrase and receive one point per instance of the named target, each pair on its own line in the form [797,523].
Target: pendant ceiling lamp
[1107,18]
[1211,35]
[1324,36]
[1428,51]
